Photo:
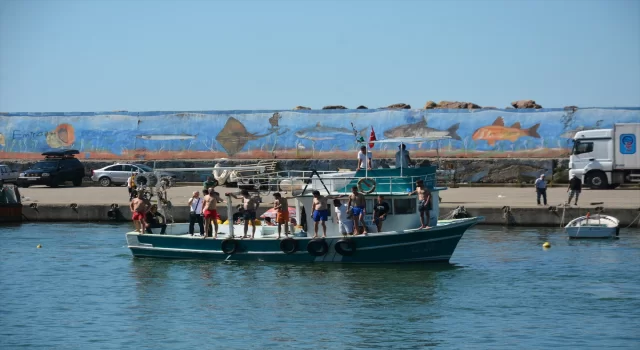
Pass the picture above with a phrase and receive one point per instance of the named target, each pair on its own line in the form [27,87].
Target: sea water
[83,290]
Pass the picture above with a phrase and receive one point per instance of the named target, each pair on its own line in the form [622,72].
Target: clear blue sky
[214,55]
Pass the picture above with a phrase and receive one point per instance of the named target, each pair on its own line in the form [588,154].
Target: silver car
[118,174]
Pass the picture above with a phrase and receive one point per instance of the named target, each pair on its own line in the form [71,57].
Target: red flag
[372,137]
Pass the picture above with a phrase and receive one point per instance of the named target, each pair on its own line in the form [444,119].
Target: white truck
[606,158]
[6,175]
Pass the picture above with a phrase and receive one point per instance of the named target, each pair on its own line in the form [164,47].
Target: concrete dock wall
[512,216]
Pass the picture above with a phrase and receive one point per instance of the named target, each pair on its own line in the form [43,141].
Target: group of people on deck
[350,217]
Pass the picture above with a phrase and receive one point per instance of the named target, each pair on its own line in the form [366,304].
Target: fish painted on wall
[498,132]
[62,136]
[166,137]
[420,129]
[322,133]
[234,136]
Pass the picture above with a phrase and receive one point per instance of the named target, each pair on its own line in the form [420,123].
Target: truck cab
[604,158]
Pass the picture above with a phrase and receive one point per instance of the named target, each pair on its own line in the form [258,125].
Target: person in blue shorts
[358,209]
[320,212]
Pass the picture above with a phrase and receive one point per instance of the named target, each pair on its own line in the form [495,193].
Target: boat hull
[592,232]
[434,245]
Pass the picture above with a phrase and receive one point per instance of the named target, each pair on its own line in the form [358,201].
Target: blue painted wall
[299,134]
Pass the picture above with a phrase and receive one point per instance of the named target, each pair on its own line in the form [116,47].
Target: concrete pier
[499,205]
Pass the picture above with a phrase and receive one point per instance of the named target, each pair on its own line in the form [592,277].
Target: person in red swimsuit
[210,213]
[138,210]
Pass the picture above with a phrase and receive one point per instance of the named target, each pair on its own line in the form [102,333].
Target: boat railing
[334,182]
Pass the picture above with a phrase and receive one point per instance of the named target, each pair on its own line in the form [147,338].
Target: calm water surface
[84,290]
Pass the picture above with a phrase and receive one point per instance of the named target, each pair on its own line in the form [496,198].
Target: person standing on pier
[250,205]
[574,189]
[424,204]
[209,183]
[210,213]
[131,186]
[541,189]
[195,212]
[358,209]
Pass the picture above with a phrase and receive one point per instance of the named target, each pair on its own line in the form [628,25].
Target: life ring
[349,244]
[152,179]
[289,245]
[368,182]
[229,246]
[141,180]
[317,247]
[220,176]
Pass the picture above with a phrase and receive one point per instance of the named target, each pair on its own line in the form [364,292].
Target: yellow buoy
[546,245]
[39,246]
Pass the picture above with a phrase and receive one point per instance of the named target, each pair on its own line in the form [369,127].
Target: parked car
[55,169]
[118,174]
[6,175]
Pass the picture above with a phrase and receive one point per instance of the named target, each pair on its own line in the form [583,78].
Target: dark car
[55,169]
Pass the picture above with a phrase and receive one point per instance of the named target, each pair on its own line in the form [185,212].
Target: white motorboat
[593,226]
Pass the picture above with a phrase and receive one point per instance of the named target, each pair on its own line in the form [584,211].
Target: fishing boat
[593,226]
[401,239]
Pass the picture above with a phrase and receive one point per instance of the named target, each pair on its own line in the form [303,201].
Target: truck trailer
[606,158]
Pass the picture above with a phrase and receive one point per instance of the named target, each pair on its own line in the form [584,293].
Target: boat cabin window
[580,147]
[404,206]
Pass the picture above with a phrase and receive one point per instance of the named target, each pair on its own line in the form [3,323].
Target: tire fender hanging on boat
[317,247]
[369,182]
[345,247]
[229,246]
[289,245]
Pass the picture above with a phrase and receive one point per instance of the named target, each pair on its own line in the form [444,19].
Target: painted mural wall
[305,134]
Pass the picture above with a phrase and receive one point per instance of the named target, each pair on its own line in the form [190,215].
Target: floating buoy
[39,246]
[546,245]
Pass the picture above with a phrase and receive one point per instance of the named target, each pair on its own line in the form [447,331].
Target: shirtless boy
[210,213]
[281,205]
[424,203]
[320,212]
[358,209]
[249,204]
[139,209]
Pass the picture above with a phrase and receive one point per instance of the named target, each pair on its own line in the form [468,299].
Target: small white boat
[593,226]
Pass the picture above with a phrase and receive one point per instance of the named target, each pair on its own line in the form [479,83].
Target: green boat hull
[433,245]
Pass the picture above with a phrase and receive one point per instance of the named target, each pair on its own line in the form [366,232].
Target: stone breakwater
[498,170]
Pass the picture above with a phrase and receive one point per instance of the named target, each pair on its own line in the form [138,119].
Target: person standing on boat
[281,205]
[364,158]
[320,212]
[345,226]
[424,203]
[358,209]
[138,209]
[195,212]
[155,220]
[541,189]
[250,205]
[380,212]
[402,157]
[574,189]
[210,213]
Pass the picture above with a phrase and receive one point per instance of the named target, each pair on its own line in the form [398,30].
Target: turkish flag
[372,137]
